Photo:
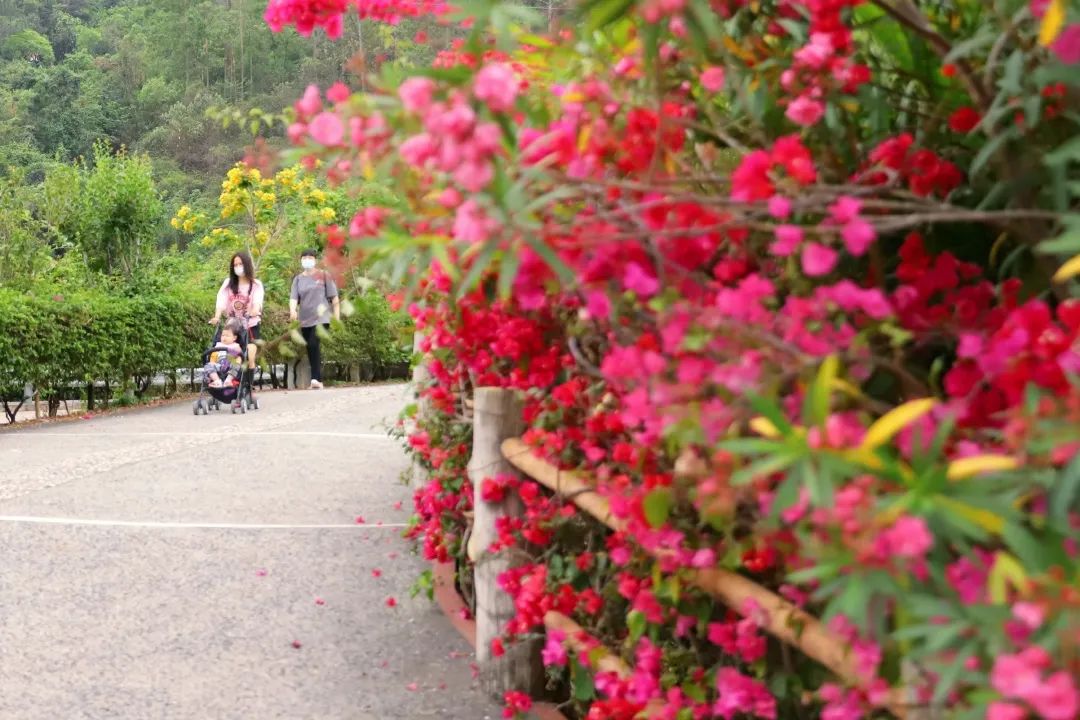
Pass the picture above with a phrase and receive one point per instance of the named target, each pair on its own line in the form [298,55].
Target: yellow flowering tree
[262,214]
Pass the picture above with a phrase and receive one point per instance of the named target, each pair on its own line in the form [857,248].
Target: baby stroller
[240,398]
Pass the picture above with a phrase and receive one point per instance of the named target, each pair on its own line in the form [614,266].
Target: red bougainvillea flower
[963,120]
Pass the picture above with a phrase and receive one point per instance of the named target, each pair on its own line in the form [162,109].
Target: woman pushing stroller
[241,297]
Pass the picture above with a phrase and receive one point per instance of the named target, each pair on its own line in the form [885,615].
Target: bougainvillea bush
[792,282]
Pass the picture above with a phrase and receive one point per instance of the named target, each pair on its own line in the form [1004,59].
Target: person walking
[314,297]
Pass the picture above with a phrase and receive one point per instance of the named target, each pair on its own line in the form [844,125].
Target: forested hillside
[143,73]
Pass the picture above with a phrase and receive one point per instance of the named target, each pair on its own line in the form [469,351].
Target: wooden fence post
[496,417]
[420,378]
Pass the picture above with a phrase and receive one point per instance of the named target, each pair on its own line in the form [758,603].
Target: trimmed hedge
[56,341]
[89,336]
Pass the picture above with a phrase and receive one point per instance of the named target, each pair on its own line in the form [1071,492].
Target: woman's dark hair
[249,271]
[310,252]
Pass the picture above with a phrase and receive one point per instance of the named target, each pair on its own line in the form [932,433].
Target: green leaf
[887,33]
[1064,494]
[605,12]
[984,38]
[947,680]
[1013,73]
[751,446]
[1065,244]
[764,406]
[1064,153]
[987,151]
[508,270]
[765,466]
[480,264]
[657,506]
[816,403]
[553,261]
[582,681]
[636,623]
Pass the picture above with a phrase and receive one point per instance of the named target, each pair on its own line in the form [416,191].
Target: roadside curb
[453,606]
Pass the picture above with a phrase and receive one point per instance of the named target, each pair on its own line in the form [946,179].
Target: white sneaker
[316,385]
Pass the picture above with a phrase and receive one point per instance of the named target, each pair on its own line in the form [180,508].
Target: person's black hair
[310,252]
[249,271]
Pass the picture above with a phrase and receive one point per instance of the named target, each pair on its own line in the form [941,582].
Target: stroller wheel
[195,406]
[243,407]
[255,403]
[235,408]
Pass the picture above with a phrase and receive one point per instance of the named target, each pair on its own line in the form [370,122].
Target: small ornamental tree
[793,282]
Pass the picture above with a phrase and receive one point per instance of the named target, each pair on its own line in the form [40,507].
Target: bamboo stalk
[783,619]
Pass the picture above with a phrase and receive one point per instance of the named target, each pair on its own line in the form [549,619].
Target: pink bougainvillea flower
[788,240]
[471,223]
[638,279]
[412,687]
[310,103]
[360,520]
[391,602]
[1030,614]
[1067,45]
[554,653]
[1005,711]
[327,128]
[779,207]
[416,94]
[713,79]
[261,572]
[858,236]
[497,85]
[319,601]
[296,644]
[740,695]
[1058,699]
[818,259]
[517,703]
[805,111]
[598,305]
[338,92]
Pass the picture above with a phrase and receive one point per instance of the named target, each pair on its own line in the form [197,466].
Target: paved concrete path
[139,602]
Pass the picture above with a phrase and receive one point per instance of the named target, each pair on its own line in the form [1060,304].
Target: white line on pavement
[222,526]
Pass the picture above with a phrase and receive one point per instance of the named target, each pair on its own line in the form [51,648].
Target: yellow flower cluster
[186,220]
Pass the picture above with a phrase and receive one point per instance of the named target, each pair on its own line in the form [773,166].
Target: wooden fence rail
[782,619]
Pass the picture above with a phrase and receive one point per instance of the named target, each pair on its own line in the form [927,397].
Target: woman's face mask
[307,263]
[239,270]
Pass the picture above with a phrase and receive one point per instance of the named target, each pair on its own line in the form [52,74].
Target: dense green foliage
[143,75]
[111,125]
[58,341]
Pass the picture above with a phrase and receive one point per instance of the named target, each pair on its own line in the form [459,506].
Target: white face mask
[239,270]
[307,263]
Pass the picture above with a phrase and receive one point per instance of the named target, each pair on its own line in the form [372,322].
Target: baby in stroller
[225,376]
[224,368]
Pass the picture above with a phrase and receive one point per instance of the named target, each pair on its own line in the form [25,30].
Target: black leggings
[314,351]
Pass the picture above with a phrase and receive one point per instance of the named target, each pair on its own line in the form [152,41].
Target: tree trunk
[496,417]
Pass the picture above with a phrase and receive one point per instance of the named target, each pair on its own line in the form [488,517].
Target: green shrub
[54,341]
